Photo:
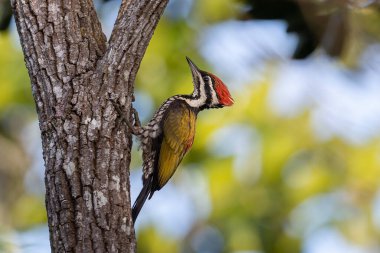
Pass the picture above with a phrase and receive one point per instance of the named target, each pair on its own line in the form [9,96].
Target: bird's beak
[195,71]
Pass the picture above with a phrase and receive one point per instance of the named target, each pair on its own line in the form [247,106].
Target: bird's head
[209,90]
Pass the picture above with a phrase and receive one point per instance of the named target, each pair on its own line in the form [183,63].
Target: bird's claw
[137,124]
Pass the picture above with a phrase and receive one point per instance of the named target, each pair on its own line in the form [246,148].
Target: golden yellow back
[178,137]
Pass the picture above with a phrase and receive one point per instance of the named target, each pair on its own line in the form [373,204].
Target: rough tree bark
[74,71]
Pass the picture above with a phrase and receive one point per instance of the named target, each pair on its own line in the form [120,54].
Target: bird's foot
[136,127]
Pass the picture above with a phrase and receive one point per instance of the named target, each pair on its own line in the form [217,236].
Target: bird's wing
[178,136]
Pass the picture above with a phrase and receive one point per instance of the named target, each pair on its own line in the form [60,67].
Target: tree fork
[86,149]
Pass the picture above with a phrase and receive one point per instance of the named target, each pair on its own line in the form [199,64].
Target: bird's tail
[141,199]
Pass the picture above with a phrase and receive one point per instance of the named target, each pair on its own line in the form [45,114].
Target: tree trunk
[86,148]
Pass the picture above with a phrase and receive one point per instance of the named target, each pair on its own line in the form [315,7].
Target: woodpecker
[169,135]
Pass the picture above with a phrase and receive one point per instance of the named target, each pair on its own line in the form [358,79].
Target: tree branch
[134,27]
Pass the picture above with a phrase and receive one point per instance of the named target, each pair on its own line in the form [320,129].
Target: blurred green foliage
[255,213]
[13,75]
[18,209]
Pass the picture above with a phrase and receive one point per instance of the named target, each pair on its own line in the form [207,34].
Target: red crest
[222,91]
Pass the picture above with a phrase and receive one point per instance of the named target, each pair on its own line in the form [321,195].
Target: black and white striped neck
[203,96]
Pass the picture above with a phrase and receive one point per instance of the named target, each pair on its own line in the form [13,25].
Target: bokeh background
[293,166]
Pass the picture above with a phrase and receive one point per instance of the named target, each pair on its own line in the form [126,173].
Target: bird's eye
[206,79]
